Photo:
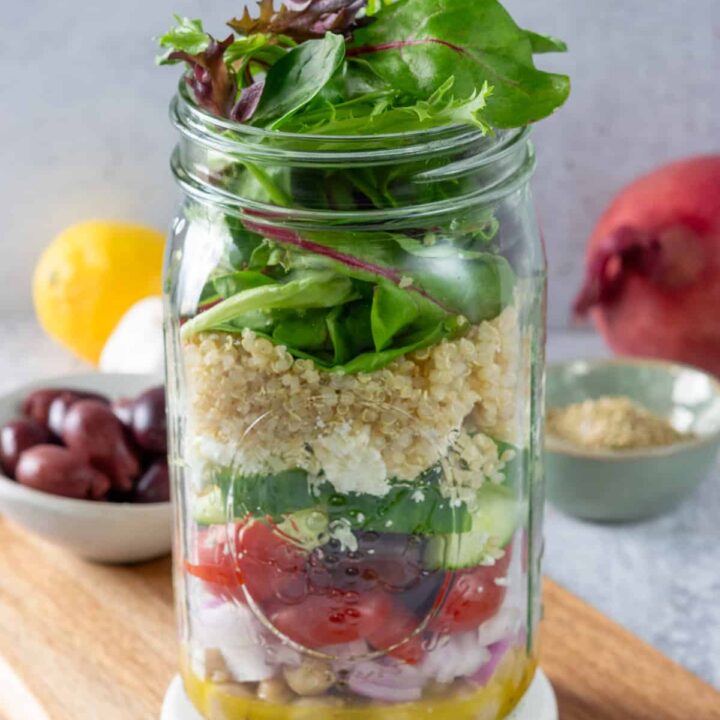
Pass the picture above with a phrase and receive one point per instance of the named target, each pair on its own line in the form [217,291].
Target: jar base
[539,702]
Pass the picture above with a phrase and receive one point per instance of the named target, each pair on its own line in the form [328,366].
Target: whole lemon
[89,276]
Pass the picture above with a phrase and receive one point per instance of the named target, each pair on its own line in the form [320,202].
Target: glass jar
[355,376]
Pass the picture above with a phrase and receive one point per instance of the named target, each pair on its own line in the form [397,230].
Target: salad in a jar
[356,360]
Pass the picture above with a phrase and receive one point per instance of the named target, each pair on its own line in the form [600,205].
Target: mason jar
[355,375]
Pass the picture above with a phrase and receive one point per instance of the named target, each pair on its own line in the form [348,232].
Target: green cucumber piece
[306,528]
[495,519]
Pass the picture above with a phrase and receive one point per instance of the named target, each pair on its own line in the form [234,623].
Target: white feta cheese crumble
[351,463]
[341,531]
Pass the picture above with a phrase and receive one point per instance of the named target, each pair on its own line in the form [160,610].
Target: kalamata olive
[149,423]
[123,411]
[36,405]
[154,485]
[59,408]
[386,561]
[16,437]
[59,471]
[93,431]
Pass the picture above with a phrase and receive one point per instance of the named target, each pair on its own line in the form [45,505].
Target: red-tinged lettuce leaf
[416,45]
[302,19]
[212,83]
[247,104]
[545,43]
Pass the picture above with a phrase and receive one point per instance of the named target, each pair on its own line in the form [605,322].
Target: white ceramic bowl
[99,531]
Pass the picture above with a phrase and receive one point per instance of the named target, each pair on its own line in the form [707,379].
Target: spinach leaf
[303,291]
[295,79]
[350,331]
[477,289]
[305,331]
[373,361]
[393,309]
[415,45]
[408,508]
[263,496]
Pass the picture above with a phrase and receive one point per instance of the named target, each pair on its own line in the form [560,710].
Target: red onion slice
[387,681]
[498,651]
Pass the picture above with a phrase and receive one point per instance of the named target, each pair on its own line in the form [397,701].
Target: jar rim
[380,148]
[208,141]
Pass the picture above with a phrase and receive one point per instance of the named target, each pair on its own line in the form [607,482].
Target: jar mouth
[226,135]
[433,172]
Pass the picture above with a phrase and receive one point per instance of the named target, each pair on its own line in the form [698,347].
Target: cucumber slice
[209,509]
[305,528]
[495,519]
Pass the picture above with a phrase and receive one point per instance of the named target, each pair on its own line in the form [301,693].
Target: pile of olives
[81,445]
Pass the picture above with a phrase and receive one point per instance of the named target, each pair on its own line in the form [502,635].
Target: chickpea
[312,677]
[275,690]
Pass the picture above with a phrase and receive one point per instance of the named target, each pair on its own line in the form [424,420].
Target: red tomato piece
[213,561]
[333,618]
[400,625]
[474,597]
[271,566]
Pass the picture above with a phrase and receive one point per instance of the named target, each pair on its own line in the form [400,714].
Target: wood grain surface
[87,642]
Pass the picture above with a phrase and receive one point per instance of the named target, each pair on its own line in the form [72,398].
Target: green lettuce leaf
[188,35]
[304,291]
[416,45]
[294,80]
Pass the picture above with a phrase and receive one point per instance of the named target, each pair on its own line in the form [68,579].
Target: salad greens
[294,80]
[408,508]
[353,307]
[360,66]
[275,496]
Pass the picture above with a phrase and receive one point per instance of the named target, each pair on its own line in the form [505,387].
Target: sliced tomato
[399,628]
[213,562]
[261,559]
[474,597]
[271,566]
[333,618]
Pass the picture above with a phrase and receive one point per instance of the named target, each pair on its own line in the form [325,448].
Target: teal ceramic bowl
[620,486]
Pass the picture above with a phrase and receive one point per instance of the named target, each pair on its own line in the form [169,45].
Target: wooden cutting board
[87,642]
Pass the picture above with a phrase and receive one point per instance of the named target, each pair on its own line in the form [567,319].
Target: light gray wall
[84,132]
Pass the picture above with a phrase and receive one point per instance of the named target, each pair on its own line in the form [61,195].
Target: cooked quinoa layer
[259,409]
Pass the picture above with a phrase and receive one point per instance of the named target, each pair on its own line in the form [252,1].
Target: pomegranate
[653,267]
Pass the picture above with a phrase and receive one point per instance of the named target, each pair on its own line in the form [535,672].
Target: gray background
[84,132]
